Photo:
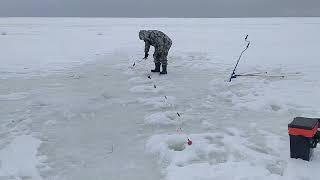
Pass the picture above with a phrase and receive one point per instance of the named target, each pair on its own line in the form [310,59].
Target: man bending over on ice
[161,44]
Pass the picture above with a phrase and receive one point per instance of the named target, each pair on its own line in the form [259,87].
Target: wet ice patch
[19,159]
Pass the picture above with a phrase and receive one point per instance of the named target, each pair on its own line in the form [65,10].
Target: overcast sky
[159,8]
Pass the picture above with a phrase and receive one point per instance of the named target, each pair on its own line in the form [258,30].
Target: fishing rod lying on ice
[234,75]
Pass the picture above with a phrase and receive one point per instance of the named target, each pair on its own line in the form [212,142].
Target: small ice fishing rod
[233,75]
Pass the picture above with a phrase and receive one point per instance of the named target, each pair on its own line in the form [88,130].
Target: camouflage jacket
[157,39]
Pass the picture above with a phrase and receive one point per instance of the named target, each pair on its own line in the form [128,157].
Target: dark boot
[157,67]
[164,69]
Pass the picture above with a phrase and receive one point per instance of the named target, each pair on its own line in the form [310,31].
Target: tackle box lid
[304,123]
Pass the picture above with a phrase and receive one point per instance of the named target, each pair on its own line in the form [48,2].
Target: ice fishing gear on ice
[304,136]
[179,130]
[233,74]
[261,74]
[164,71]
[134,63]
[258,74]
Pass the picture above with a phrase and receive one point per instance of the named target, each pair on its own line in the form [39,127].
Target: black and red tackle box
[304,137]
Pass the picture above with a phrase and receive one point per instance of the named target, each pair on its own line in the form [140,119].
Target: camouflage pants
[161,55]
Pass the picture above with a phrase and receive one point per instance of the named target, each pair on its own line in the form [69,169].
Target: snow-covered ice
[19,159]
[73,106]
[162,118]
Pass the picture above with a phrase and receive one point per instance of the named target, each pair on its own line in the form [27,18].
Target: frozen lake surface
[74,107]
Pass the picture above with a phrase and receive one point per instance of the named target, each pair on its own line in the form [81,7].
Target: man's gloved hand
[146,56]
